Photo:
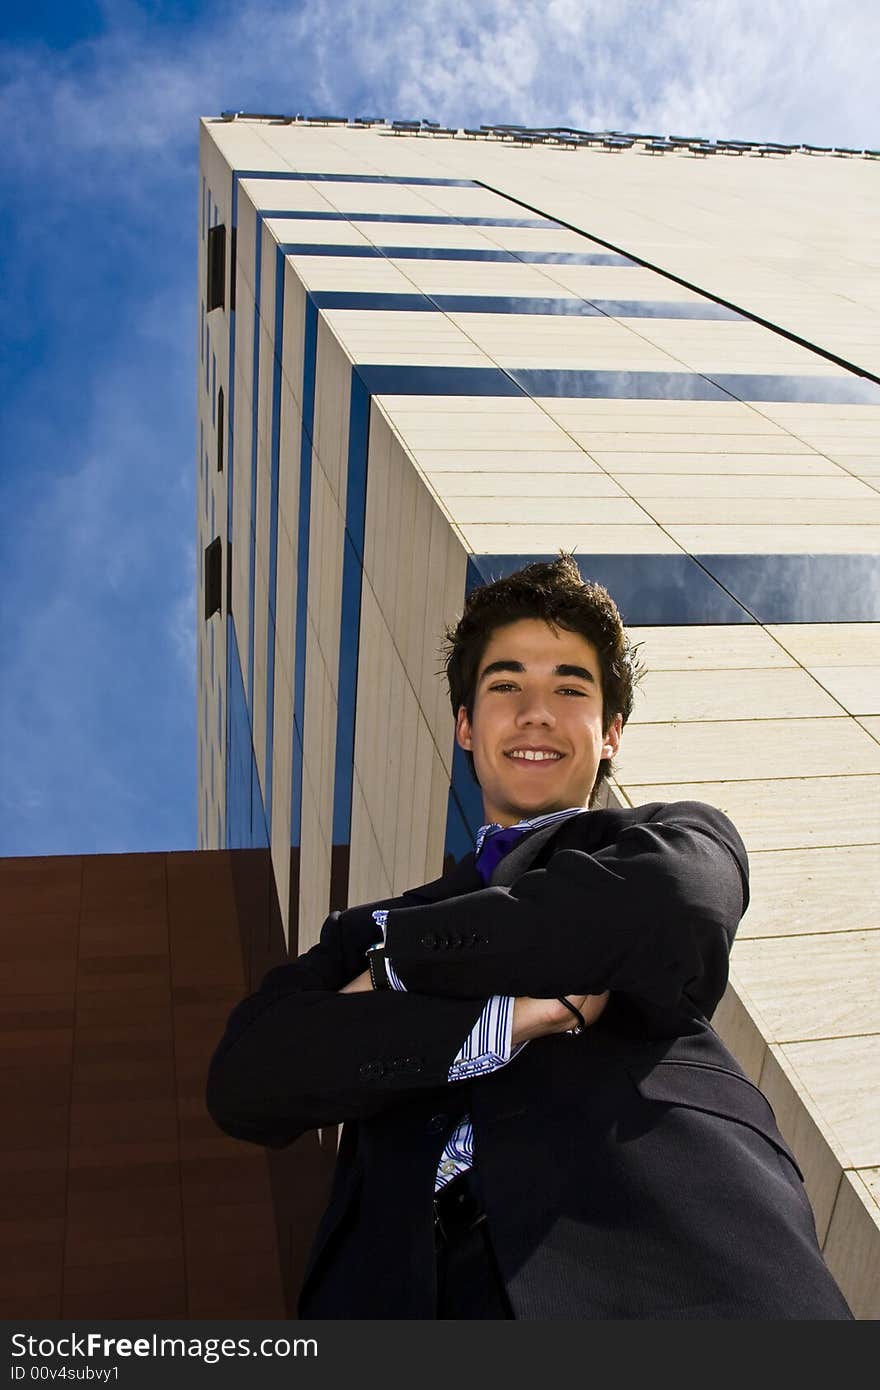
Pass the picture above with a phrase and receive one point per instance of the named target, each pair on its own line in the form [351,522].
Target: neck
[508,818]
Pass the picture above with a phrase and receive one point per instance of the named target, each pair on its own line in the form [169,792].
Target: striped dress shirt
[487,1047]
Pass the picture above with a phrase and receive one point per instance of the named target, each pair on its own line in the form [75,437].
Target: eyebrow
[517,666]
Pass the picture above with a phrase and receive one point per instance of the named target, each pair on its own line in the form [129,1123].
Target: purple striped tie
[495,847]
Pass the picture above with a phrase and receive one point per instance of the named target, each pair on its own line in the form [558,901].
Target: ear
[463,734]
[611,740]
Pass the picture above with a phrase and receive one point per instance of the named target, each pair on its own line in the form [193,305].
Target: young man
[539,1120]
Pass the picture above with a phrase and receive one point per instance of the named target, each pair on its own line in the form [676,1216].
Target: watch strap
[376,963]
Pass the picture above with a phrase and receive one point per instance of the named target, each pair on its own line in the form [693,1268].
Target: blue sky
[98,111]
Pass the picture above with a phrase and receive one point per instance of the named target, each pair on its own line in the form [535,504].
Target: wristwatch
[376,963]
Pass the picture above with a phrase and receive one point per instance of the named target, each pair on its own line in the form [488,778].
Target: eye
[565,689]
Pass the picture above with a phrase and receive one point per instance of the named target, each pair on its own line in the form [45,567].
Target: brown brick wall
[119,1197]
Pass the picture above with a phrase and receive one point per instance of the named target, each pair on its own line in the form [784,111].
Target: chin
[542,805]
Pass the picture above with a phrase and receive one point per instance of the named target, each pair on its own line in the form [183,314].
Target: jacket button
[430,940]
[407,1065]
[370,1070]
[437,1123]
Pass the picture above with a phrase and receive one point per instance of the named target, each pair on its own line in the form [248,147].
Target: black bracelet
[376,963]
[582,1022]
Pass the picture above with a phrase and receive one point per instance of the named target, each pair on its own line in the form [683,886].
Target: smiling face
[537,691]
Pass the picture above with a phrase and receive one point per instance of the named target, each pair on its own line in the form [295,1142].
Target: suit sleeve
[297,1055]
[488,1045]
[652,915]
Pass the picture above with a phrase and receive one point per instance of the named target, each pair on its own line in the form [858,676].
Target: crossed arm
[652,915]
[532,1018]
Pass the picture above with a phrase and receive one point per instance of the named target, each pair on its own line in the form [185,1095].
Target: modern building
[427,356]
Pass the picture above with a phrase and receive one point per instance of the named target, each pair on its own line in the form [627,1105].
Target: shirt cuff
[487,1046]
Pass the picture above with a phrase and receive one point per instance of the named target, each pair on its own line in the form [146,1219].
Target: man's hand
[357,985]
[538,1018]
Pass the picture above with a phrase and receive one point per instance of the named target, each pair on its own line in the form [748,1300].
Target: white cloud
[181,625]
[790,69]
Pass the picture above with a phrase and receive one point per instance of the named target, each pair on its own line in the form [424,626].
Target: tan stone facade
[468,349]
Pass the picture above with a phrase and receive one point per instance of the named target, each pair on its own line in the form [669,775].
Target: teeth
[536,757]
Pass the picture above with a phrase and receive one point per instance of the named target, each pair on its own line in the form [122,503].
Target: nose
[533,709]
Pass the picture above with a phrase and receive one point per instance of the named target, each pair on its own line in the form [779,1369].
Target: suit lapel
[461,878]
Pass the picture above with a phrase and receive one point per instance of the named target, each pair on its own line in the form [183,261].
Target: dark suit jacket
[629,1172]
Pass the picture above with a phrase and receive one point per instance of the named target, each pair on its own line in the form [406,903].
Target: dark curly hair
[552,590]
